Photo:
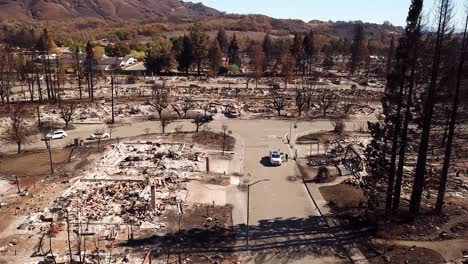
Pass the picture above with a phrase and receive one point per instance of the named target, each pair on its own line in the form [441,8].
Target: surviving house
[113,63]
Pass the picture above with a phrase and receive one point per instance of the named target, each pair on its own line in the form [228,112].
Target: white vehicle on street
[58,134]
[99,136]
[275,158]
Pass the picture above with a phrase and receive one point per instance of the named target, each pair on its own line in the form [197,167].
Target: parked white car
[58,134]
[275,158]
[99,136]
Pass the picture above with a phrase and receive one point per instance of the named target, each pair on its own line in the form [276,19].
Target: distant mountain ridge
[115,10]
[146,17]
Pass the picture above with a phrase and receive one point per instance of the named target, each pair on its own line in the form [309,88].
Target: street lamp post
[248,207]
[290,131]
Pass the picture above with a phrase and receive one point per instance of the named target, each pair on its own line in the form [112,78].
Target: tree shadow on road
[288,239]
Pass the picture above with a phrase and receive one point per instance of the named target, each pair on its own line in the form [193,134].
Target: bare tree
[17,131]
[160,100]
[327,99]
[279,104]
[165,121]
[67,110]
[288,66]
[199,120]
[258,61]
[186,106]
[177,110]
[301,100]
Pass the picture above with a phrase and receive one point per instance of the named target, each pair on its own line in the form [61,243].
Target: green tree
[233,51]
[99,51]
[117,50]
[183,49]
[200,41]
[158,55]
[139,55]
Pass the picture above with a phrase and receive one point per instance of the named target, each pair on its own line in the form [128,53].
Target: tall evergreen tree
[401,80]
[158,55]
[297,50]
[386,135]
[215,57]
[310,52]
[267,49]
[90,63]
[412,61]
[328,62]
[78,70]
[233,51]
[223,40]
[183,49]
[200,41]
[357,48]
[390,56]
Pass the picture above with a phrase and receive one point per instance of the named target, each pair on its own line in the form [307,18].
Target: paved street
[249,130]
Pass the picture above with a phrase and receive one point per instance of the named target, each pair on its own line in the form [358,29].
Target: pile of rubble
[109,202]
[133,184]
[147,159]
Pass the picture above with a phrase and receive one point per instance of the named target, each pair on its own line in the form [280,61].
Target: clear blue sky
[376,11]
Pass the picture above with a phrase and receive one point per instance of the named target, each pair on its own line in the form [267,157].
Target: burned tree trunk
[418,185]
[453,118]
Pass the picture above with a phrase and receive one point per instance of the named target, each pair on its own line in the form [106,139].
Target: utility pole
[17,183]
[69,241]
[50,239]
[112,96]
[248,208]
[47,142]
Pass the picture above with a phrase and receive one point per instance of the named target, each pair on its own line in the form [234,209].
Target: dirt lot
[429,227]
[381,254]
[46,189]
[202,228]
[343,196]
[214,140]
[321,135]
[32,163]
